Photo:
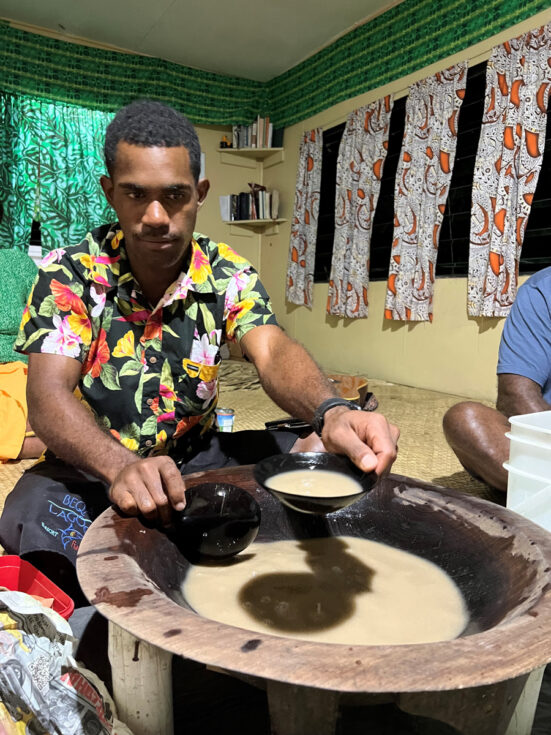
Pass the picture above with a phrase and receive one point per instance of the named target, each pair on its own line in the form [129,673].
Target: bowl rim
[488,657]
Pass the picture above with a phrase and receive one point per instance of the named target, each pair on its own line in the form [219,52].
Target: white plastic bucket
[522,485]
[536,507]
[530,455]
[532,426]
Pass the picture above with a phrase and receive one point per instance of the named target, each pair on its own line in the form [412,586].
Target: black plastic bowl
[219,521]
[313,461]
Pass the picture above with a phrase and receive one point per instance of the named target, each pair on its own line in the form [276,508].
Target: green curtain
[51,161]
[18,170]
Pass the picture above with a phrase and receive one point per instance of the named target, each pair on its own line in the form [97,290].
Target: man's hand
[368,439]
[152,487]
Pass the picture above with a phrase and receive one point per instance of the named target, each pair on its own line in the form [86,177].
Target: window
[383,219]
[326,218]
[453,249]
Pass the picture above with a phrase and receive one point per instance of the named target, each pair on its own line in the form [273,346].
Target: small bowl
[219,521]
[313,461]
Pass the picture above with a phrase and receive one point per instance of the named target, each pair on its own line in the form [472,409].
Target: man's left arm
[292,379]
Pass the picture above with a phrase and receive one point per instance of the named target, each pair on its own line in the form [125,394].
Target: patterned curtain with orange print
[304,230]
[422,185]
[362,153]
[510,152]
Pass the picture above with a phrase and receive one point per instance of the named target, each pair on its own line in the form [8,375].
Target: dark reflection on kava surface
[306,602]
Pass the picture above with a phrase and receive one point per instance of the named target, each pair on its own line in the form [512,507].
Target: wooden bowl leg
[506,708]
[296,710]
[142,683]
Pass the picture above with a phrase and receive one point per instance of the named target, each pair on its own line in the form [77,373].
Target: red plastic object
[21,576]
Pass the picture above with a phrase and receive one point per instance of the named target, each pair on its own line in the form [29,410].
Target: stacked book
[257,204]
[260,134]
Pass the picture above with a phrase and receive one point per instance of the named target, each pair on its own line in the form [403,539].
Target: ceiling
[256,39]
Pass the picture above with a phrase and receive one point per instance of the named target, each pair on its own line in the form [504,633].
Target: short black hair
[150,124]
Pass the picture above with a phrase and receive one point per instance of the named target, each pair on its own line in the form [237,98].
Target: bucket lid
[528,475]
[524,440]
[538,421]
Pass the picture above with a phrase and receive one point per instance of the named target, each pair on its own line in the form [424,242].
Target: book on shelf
[256,204]
[257,191]
[277,137]
[259,134]
[225,207]
[274,205]
[234,212]
[244,206]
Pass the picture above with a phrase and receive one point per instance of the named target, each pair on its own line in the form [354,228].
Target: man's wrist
[120,464]
[328,405]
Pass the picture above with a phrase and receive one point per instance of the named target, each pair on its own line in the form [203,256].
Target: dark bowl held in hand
[219,521]
[279,463]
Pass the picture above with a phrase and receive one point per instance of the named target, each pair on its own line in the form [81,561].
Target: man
[476,433]
[135,316]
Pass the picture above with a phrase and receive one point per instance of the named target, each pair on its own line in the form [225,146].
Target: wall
[455,354]
[226,178]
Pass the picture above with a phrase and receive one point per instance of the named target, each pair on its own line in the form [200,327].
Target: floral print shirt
[148,374]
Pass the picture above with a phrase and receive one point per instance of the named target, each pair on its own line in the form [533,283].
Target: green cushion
[17,273]
[7,353]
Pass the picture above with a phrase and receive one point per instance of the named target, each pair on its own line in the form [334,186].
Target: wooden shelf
[266,226]
[257,159]
[249,157]
[259,153]
[254,222]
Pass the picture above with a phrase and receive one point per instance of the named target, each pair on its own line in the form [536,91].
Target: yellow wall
[454,354]
[226,178]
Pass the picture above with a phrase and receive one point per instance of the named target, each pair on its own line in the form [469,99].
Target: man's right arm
[517,395]
[524,363]
[68,428]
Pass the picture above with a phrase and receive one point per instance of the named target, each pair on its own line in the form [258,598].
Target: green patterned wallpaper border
[405,38]
[402,40]
[35,65]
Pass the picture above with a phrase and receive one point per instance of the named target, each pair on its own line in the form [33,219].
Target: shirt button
[149,401]
[148,443]
[153,360]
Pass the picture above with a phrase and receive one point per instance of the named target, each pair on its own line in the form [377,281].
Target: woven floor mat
[239,375]
[423,451]
[10,472]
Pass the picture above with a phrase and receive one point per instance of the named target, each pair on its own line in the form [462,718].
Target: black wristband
[321,410]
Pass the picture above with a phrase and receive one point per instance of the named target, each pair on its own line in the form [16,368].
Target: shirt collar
[105,259]
[111,269]
[198,278]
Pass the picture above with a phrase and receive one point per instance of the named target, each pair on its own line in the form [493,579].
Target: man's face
[156,199]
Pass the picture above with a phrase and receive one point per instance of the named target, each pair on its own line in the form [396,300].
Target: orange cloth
[13,408]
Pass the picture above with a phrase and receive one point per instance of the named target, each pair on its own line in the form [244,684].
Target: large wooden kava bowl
[500,562]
